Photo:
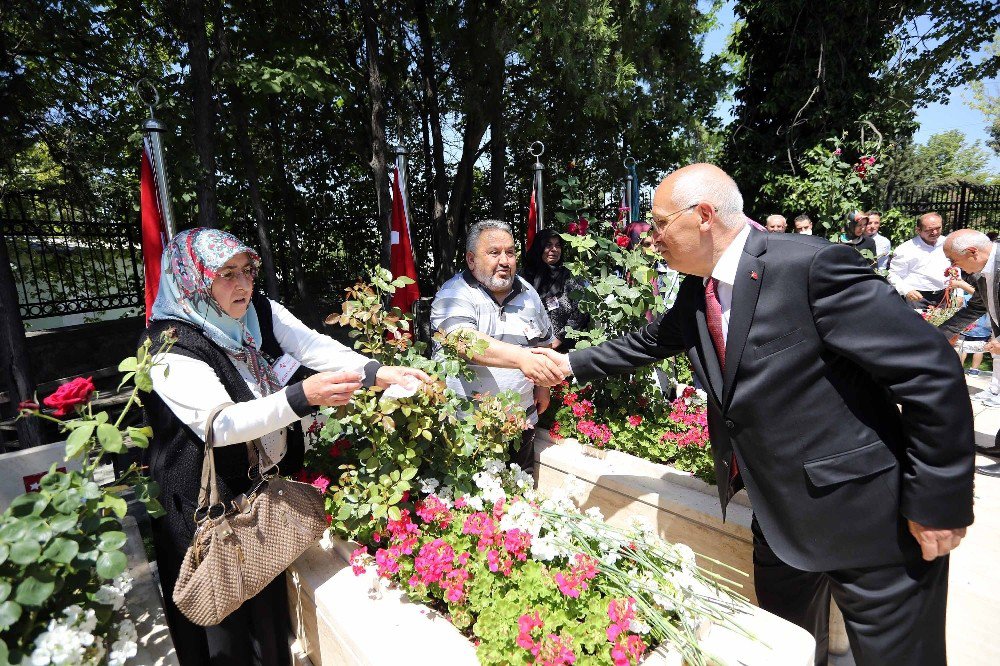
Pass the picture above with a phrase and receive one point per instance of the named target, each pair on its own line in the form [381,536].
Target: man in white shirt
[918,265]
[883,248]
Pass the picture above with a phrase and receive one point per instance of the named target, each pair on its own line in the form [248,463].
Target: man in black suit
[973,252]
[851,495]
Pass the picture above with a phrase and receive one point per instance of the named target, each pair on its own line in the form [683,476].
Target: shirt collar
[725,269]
[991,262]
[920,242]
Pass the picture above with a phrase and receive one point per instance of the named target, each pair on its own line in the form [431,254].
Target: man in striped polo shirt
[491,299]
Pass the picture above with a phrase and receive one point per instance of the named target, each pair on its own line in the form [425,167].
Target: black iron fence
[68,259]
[961,205]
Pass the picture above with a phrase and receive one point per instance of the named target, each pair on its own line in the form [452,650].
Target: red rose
[583,224]
[621,241]
[573,228]
[76,392]
[27,406]
[340,447]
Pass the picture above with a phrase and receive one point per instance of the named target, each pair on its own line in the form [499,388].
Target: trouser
[895,614]
[522,450]
[931,299]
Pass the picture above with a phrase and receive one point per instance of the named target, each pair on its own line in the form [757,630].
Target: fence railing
[68,260]
[961,205]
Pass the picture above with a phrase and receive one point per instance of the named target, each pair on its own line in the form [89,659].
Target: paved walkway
[974,595]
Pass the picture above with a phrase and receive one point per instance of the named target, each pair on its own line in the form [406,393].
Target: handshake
[544,366]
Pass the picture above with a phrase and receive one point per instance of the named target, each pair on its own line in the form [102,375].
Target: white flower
[429,485]
[475,502]
[637,626]
[521,516]
[121,651]
[126,631]
[544,549]
[610,558]
[109,596]
[594,513]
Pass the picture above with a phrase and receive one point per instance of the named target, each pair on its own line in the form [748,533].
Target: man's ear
[469,258]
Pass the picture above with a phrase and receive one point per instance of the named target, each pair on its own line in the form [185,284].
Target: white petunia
[429,485]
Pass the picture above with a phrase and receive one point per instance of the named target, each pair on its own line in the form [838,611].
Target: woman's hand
[388,375]
[331,389]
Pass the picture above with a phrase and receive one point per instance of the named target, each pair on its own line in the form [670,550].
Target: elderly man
[803,225]
[973,252]
[491,299]
[883,248]
[851,494]
[918,265]
[776,224]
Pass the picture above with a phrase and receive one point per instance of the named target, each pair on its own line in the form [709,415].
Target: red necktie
[713,317]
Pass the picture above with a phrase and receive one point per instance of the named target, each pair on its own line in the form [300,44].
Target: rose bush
[63,577]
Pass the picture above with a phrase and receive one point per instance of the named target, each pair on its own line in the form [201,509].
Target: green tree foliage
[987,100]
[809,71]
[946,158]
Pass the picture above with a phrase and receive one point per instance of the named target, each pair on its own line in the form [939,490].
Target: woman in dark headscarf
[238,348]
[544,269]
[855,232]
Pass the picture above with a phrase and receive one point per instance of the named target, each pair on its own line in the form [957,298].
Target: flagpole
[152,129]
[402,159]
[539,204]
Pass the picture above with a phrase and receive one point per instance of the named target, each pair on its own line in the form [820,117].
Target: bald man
[973,252]
[776,224]
[851,494]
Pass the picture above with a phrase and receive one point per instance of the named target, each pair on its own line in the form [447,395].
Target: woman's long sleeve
[315,350]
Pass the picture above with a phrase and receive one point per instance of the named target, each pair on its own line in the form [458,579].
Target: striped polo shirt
[520,319]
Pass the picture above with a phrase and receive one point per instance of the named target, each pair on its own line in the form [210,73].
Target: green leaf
[143,381]
[101,417]
[5,589]
[79,439]
[4,552]
[116,504]
[154,508]
[29,504]
[36,588]
[110,438]
[140,436]
[62,523]
[61,550]
[128,364]
[111,564]
[394,513]
[113,540]
[25,552]
[10,612]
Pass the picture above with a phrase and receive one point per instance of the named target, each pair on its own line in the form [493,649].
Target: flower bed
[615,414]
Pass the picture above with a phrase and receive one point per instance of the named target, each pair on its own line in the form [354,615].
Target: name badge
[284,368]
[551,303]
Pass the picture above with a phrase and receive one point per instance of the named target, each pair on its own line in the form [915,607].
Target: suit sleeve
[858,317]
[972,311]
[656,341]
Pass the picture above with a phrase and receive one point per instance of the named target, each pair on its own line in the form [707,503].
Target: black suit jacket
[820,352]
[975,308]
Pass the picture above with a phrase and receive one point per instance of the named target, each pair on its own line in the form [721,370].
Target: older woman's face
[233,285]
[553,251]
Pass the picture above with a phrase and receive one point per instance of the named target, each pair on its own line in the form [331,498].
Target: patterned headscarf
[190,264]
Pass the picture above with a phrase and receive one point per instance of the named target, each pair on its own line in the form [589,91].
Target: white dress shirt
[725,272]
[191,389]
[918,265]
[883,248]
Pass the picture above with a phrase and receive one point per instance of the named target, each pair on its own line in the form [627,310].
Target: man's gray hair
[472,240]
[978,239]
[721,191]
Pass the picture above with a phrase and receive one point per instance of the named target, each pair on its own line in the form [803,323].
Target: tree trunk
[192,20]
[444,260]
[461,193]
[497,76]
[14,362]
[288,203]
[242,125]
[379,148]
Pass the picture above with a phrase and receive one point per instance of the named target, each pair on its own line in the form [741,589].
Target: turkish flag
[401,261]
[532,220]
[154,234]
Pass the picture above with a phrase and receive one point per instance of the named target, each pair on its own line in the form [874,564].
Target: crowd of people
[860,486]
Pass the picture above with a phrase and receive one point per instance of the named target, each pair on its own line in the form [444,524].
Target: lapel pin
[753,275]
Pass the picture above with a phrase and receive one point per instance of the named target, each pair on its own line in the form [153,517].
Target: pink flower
[553,651]
[526,624]
[837,152]
[575,582]
[460,502]
[434,561]
[517,543]
[357,557]
[434,511]
[386,562]
[634,420]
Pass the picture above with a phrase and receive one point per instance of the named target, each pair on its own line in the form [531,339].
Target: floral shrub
[534,580]
[63,573]
[672,432]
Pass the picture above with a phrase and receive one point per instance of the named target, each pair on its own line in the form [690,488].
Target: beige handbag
[238,550]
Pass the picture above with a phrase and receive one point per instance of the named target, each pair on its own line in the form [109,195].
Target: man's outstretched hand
[539,369]
[553,359]
[933,542]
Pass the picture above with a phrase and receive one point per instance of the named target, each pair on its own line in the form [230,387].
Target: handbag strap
[208,495]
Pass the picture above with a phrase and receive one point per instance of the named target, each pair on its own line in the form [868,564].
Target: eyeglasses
[672,216]
[232,274]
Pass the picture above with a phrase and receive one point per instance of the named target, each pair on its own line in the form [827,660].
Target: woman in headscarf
[544,269]
[233,346]
[855,232]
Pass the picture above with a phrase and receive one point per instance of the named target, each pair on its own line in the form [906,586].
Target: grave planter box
[341,621]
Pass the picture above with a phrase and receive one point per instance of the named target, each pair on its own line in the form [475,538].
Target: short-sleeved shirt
[520,319]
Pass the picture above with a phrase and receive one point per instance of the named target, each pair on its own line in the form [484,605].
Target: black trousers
[895,614]
[256,634]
